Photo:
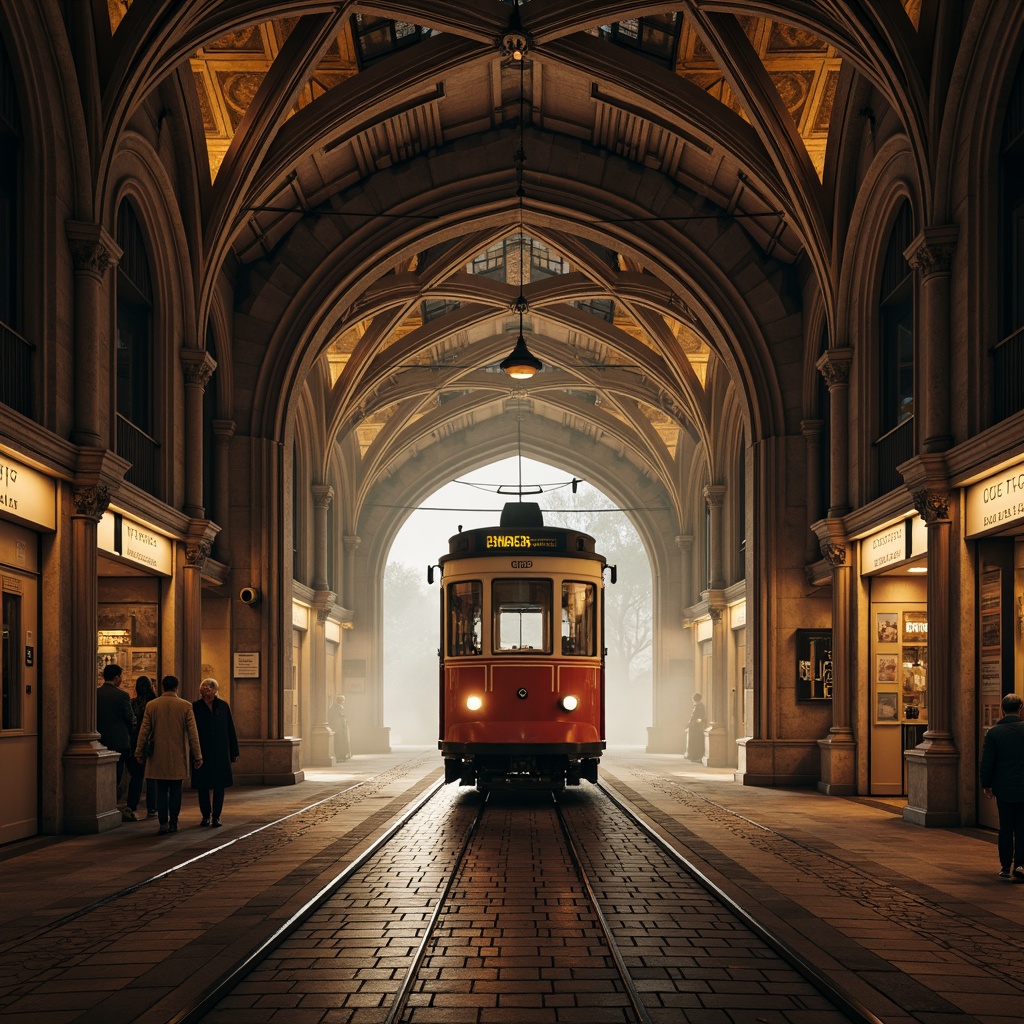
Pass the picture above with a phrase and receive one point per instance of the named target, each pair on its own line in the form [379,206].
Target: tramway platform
[913,923]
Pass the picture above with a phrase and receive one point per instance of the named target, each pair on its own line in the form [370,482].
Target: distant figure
[114,719]
[1002,774]
[695,730]
[144,693]
[171,722]
[220,750]
[337,719]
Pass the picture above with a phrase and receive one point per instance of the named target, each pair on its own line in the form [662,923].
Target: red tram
[522,654]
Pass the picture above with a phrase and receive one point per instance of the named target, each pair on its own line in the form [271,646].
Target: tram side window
[579,618]
[521,615]
[465,618]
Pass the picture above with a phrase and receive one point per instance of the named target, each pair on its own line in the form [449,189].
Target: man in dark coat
[220,748]
[115,720]
[1002,775]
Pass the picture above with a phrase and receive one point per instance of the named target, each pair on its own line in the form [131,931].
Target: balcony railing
[16,358]
[141,451]
[891,450]
[1008,376]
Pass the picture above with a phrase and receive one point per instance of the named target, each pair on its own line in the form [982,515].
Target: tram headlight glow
[474,703]
[569,702]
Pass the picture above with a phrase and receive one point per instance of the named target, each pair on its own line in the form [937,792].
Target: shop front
[135,566]
[995,529]
[27,510]
[893,567]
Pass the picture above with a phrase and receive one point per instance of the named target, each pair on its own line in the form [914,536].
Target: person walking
[220,750]
[695,730]
[114,718]
[144,693]
[171,723]
[1002,776]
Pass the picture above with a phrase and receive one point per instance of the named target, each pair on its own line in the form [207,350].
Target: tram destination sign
[522,542]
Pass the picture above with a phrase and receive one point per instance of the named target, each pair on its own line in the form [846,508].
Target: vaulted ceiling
[304,103]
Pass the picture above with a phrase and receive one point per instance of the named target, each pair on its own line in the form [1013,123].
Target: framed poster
[887,709]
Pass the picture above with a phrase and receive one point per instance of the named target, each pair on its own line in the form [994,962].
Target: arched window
[134,357]
[16,384]
[896,355]
[1008,354]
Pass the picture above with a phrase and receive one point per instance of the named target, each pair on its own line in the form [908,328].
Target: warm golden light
[521,363]
[474,703]
[569,703]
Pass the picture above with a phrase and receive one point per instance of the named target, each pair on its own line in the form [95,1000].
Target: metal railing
[1008,376]
[141,451]
[16,359]
[891,450]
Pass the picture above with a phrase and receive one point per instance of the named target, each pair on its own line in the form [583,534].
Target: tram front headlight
[569,702]
[474,703]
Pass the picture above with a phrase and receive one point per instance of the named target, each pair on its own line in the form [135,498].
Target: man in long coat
[1002,776]
[171,722]
[220,749]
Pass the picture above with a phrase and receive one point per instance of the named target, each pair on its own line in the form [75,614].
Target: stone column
[223,432]
[93,252]
[811,430]
[322,739]
[838,750]
[834,366]
[90,770]
[933,765]
[351,543]
[684,541]
[201,533]
[198,366]
[931,256]
[717,732]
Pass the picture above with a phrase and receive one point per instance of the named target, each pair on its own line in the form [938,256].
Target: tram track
[505,911]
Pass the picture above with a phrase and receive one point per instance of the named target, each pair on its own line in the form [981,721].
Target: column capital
[931,252]
[198,366]
[224,429]
[933,506]
[93,249]
[351,541]
[834,365]
[684,541]
[323,495]
[811,428]
[714,495]
[92,501]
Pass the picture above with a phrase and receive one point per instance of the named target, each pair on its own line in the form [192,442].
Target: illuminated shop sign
[135,543]
[997,502]
[27,495]
[893,545]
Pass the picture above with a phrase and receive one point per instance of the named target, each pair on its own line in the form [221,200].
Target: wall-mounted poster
[990,633]
[814,664]
[887,627]
[886,668]
[887,710]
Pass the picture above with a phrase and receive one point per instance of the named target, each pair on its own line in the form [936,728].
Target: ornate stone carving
[835,369]
[834,554]
[196,553]
[932,251]
[92,501]
[198,367]
[323,495]
[88,256]
[933,506]
[715,615]
[714,495]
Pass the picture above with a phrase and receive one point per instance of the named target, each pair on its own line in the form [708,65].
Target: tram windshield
[521,615]
[465,618]
[579,618]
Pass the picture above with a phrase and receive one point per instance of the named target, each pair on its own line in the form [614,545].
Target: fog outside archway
[411,612]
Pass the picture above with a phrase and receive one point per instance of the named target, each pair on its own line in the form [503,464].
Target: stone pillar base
[665,741]
[718,753]
[838,765]
[268,763]
[932,780]
[777,762]
[90,792]
[320,752]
